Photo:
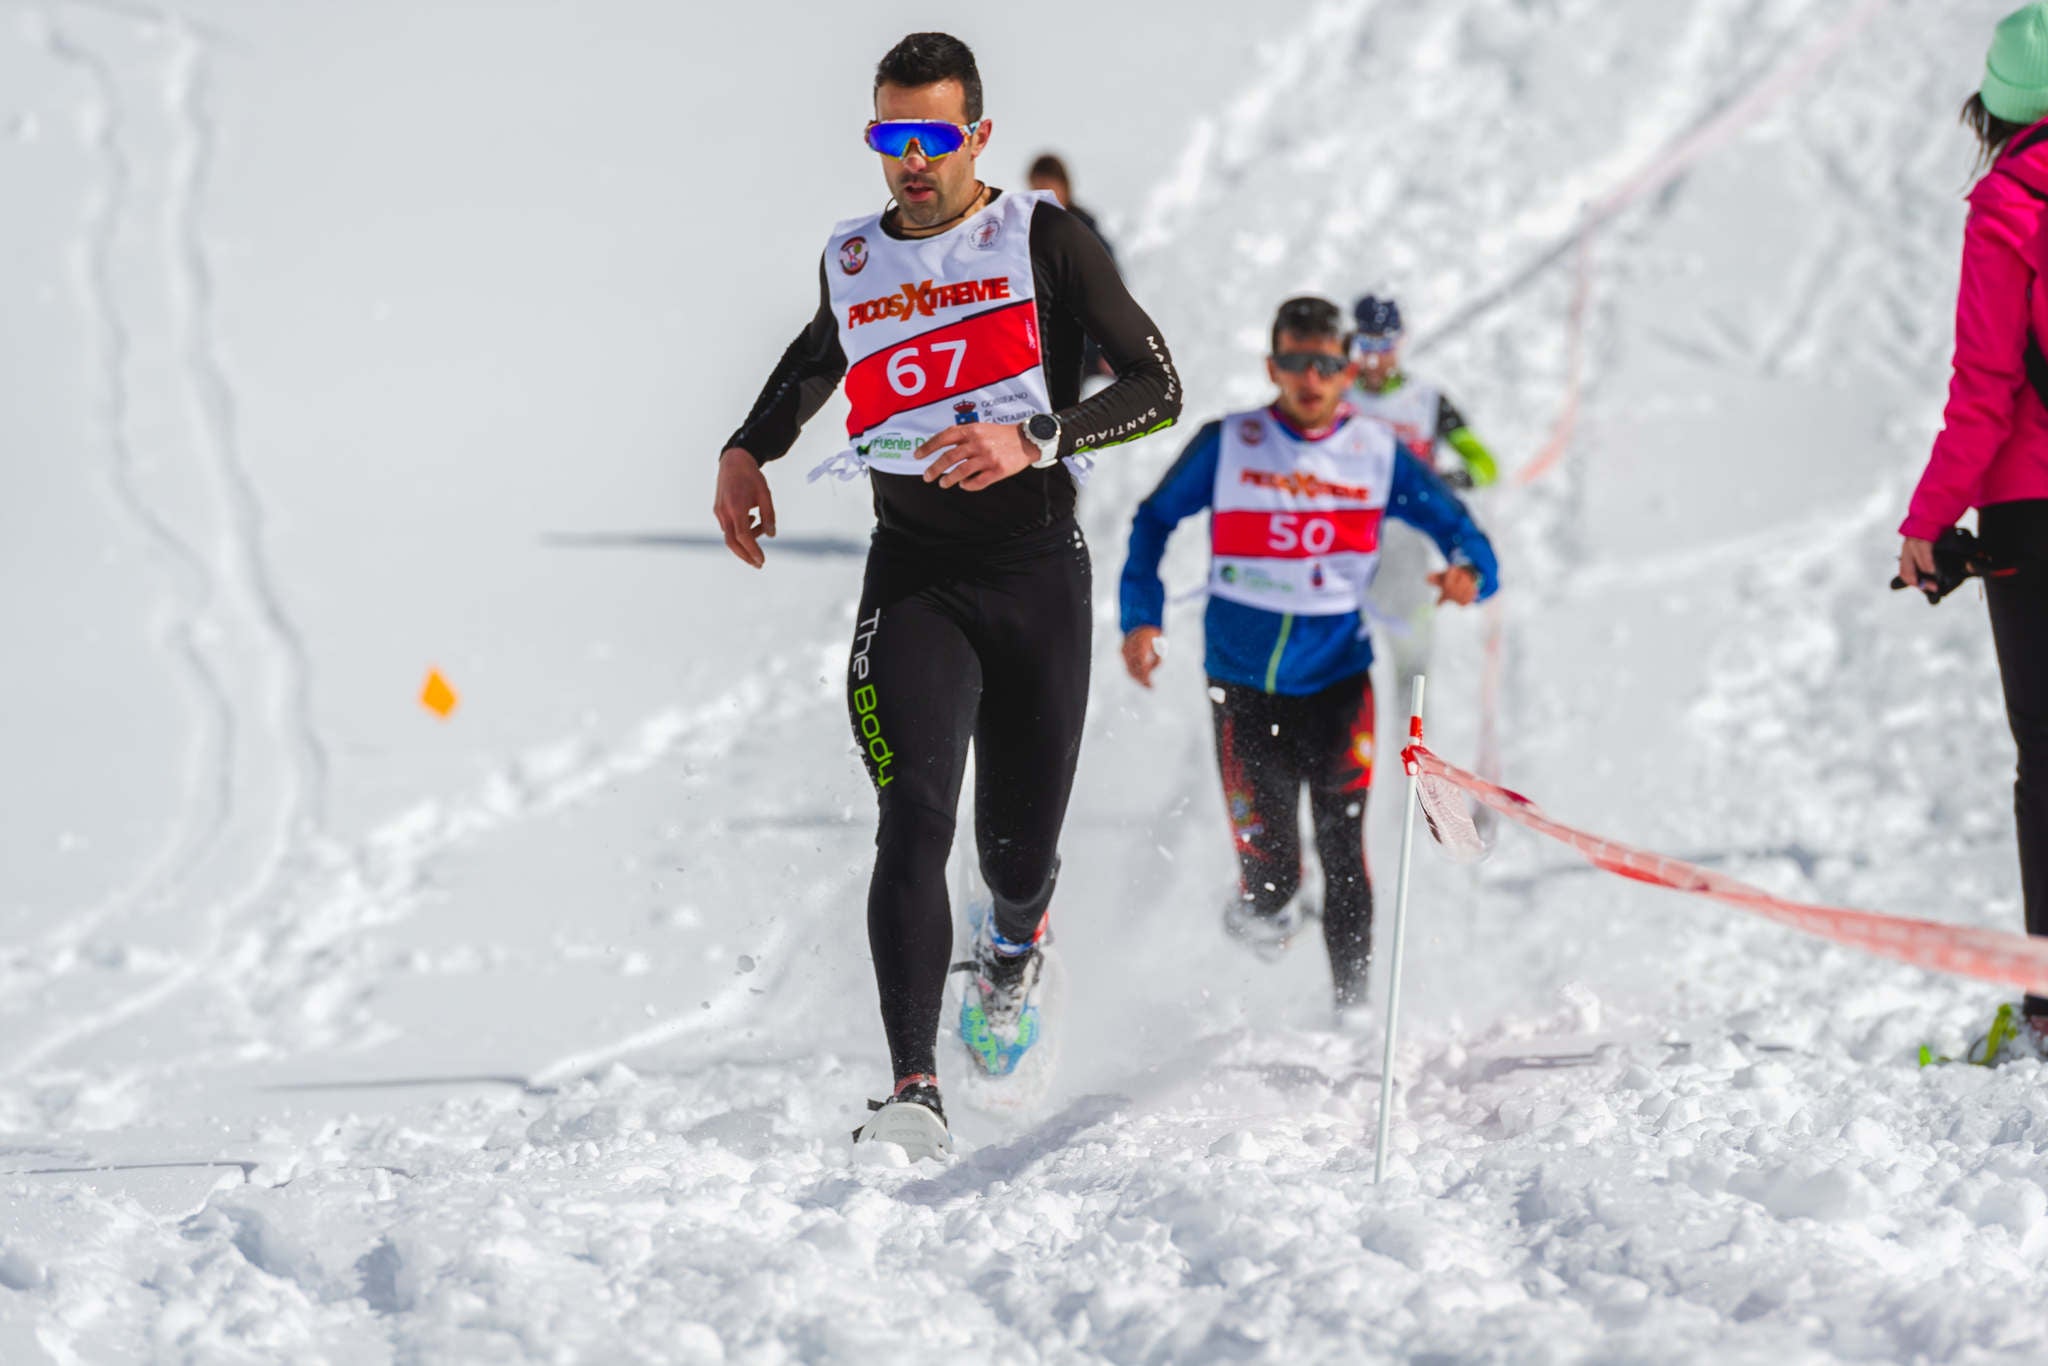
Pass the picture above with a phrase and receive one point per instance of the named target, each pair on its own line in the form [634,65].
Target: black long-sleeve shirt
[1079,296]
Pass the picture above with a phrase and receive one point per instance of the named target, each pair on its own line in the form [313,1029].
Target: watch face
[1043,427]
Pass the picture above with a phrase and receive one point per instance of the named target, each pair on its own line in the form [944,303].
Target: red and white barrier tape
[1492,680]
[2011,960]
[1673,162]
[1567,423]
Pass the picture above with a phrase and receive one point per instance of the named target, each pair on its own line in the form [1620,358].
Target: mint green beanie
[2016,71]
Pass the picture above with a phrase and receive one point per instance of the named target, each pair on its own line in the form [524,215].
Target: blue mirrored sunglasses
[1363,345]
[893,137]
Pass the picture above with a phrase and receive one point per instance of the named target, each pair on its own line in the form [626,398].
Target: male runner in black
[974,618]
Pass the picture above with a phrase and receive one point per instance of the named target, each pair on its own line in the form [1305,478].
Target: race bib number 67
[974,353]
[908,378]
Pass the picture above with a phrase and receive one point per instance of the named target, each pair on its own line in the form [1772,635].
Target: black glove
[1459,478]
[1958,555]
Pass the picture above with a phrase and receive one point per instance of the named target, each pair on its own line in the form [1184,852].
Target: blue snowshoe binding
[999,1016]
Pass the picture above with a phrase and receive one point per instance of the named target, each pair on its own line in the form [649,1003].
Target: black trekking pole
[1958,555]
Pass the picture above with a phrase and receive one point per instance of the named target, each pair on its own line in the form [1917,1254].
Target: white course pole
[1379,1160]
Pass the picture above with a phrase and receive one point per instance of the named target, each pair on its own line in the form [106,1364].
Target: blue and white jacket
[1279,651]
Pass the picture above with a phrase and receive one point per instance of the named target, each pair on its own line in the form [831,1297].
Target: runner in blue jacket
[1297,494]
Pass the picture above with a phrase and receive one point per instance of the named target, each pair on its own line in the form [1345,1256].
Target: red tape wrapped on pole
[2012,960]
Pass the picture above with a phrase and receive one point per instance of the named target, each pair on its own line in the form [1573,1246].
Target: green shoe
[2012,1037]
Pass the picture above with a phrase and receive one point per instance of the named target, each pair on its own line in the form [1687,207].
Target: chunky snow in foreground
[336,1033]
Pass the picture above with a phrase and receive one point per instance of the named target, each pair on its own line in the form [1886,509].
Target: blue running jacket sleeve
[1426,503]
[1187,488]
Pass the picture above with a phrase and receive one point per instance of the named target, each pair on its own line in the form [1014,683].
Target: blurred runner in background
[1299,494]
[1048,175]
[1428,423]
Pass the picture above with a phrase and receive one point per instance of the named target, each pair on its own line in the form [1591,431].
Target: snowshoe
[999,1008]
[2013,1037]
[1268,936]
[912,1118]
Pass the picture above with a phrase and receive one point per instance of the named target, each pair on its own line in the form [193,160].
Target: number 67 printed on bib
[960,358]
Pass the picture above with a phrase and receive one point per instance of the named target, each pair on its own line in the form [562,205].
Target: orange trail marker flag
[436,696]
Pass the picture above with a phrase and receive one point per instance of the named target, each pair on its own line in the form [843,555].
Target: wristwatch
[1043,431]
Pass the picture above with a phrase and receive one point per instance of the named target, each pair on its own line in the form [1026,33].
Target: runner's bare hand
[1459,584]
[977,454]
[743,505]
[1142,650]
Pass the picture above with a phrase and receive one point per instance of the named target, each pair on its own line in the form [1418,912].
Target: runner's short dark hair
[1050,167]
[927,59]
[1309,318]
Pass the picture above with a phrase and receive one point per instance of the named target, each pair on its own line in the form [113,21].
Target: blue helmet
[1377,317]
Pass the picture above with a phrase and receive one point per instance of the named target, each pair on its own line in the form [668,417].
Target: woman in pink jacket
[1993,452]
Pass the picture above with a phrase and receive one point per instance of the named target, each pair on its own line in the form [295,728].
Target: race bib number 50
[1296,535]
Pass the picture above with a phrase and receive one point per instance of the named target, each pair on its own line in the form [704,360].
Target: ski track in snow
[291,686]
[312,958]
[285,742]
[1630,1126]
[205,808]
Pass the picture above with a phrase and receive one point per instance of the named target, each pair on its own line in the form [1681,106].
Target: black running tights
[991,649]
[2019,627]
[1267,747]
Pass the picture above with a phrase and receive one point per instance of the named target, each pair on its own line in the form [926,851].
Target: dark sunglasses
[934,140]
[1295,362]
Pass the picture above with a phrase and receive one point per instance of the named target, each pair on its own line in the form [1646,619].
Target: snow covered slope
[336,1033]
